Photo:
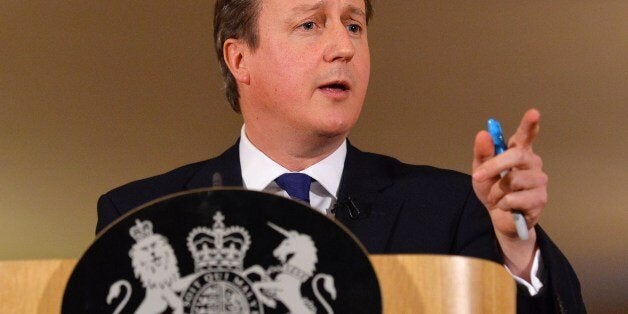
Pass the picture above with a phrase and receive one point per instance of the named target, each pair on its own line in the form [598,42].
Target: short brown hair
[238,19]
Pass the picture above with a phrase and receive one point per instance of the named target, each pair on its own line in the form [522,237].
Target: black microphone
[216,180]
[349,206]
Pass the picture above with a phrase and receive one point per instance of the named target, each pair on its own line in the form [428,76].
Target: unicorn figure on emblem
[297,254]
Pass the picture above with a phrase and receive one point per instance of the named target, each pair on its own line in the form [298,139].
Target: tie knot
[297,185]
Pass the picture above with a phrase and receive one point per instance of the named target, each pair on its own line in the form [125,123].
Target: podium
[409,284]
[186,252]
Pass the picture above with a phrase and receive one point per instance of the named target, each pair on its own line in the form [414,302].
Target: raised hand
[523,188]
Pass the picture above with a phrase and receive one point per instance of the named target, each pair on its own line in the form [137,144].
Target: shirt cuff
[535,273]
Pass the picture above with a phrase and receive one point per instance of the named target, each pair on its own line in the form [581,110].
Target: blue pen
[495,129]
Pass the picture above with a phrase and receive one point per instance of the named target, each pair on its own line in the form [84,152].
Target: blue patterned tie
[296,184]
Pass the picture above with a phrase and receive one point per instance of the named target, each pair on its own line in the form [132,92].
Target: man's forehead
[304,6]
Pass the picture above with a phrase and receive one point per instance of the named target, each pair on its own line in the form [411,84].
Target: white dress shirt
[259,173]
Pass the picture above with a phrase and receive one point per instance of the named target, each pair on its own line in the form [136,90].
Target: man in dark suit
[298,72]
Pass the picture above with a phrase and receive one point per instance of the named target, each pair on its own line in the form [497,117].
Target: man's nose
[340,46]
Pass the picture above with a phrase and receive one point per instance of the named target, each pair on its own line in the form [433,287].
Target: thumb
[483,149]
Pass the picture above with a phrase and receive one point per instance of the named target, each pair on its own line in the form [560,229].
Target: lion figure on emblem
[155,265]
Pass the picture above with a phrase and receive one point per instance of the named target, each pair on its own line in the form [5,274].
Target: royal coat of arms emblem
[220,282]
[223,251]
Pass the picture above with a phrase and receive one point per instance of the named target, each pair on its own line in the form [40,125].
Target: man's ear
[235,52]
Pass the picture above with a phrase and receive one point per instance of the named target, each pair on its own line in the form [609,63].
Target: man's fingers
[484,166]
[516,181]
[530,202]
[527,131]
[513,158]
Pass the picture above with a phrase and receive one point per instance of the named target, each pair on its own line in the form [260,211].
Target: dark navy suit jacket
[395,208]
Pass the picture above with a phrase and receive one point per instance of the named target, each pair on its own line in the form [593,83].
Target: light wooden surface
[33,286]
[443,284]
[409,284]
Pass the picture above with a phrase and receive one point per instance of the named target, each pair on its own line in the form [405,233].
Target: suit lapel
[226,165]
[365,181]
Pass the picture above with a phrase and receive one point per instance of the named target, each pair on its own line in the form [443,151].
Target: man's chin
[333,133]
[331,136]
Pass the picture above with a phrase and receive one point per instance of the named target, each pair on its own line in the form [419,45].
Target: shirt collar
[259,171]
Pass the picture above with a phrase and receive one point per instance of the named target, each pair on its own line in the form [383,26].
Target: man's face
[310,71]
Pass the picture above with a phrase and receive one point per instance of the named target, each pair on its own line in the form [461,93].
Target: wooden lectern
[409,284]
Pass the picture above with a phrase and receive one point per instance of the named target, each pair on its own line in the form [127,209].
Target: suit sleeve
[474,235]
[561,291]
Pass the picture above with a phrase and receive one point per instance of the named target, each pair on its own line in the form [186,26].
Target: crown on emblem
[218,248]
[141,230]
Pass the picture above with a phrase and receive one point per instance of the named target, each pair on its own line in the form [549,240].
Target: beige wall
[94,94]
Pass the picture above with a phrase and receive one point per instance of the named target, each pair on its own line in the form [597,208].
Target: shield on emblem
[223,251]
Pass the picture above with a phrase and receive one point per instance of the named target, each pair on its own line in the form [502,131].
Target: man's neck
[296,151]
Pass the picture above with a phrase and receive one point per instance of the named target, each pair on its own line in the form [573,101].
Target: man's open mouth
[340,86]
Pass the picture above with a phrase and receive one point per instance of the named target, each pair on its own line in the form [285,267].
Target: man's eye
[308,26]
[354,28]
